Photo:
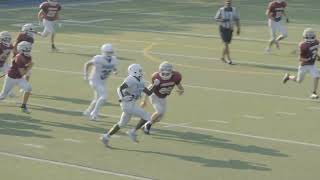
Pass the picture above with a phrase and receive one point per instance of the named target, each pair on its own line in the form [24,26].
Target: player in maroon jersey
[168,80]
[275,11]
[21,64]
[308,57]
[5,50]
[26,34]
[48,14]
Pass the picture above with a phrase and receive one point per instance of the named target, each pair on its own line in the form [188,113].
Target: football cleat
[314,96]
[267,51]
[105,141]
[285,78]
[25,110]
[132,135]
[146,128]
[86,113]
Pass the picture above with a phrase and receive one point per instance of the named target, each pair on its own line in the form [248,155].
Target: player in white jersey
[129,92]
[102,66]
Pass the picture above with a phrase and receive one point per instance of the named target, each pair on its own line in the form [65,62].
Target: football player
[168,80]
[21,64]
[26,34]
[308,56]
[5,50]
[101,67]
[275,11]
[47,15]
[129,92]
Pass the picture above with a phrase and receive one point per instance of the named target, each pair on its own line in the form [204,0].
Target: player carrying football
[129,92]
[102,66]
[168,80]
[275,11]
[47,15]
[21,64]
[308,56]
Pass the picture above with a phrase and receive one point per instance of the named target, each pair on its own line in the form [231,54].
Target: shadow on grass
[211,141]
[232,164]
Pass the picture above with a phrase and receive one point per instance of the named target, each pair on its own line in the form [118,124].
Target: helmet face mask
[165,70]
[135,70]
[25,48]
[5,38]
[28,29]
[309,35]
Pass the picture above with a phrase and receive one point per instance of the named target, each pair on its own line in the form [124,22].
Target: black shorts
[226,34]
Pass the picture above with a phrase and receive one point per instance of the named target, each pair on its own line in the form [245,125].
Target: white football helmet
[5,38]
[53,2]
[24,47]
[107,49]
[165,70]
[309,35]
[29,29]
[135,70]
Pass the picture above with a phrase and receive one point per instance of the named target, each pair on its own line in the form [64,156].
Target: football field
[234,122]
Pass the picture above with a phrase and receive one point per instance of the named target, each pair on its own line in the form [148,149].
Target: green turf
[233,122]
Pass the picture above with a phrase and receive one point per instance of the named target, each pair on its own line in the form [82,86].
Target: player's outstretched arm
[180,89]
[40,16]
[144,101]
[151,88]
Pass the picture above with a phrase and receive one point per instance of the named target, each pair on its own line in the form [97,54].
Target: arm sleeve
[218,15]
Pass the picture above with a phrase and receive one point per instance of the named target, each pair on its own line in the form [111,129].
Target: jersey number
[166,90]
[105,73]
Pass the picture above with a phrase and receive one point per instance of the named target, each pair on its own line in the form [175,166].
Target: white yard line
[9,121]
[72,140]
[75,166]
[287,113]
[314,108]
[204,129]
[37,146]
[174,125]
[218,121]
[200,87]
[178,55]
[85,22]
[253,117]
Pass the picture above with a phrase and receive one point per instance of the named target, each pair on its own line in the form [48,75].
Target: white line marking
[9,121]
[85,22]
[314,108]
[200,87]
[218,121]
[81,167]
[287,113]
[34,146]
[72,140]
[173,125]
[203,129]
[253,117]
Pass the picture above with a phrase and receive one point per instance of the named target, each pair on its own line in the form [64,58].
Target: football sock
[114,129]
[140,123]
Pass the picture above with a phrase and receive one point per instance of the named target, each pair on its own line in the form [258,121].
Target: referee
[227,16]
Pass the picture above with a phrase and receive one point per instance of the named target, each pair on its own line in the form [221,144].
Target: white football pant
[130,109]
[100,96]
[159,104]
[277,27]
[303,70]
[9,84]
[48,27]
